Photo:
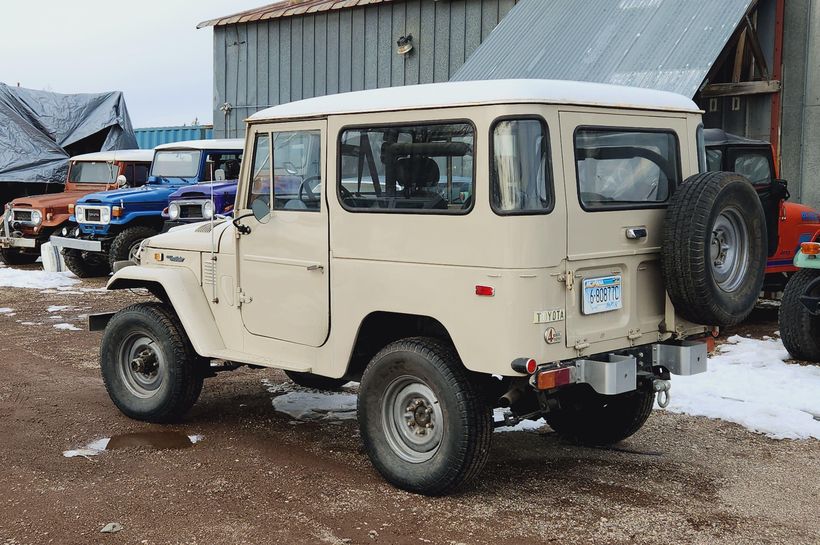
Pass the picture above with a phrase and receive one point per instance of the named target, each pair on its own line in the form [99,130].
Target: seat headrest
[417,172]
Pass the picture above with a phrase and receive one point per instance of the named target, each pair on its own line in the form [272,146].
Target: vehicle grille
[190,211]
[21,215]
[92,214]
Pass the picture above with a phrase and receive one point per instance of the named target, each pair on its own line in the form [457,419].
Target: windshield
[176,164]
[93,173]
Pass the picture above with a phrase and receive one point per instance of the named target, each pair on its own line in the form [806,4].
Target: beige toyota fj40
[551,248]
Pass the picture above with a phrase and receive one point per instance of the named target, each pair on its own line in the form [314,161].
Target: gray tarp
[39,130]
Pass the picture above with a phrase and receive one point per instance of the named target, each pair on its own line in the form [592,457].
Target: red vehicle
[29,221]
[789,223]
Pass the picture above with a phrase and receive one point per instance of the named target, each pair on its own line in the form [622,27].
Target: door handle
[315,268]
[635,233]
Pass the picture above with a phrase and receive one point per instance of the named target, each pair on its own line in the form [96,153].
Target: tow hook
[662,388]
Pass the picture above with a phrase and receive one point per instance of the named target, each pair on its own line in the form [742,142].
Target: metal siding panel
[231,76]
[320,47]
[472,27]
[504,6]
[308,56]
[333,53]
[357,48]
[458,12]
[412,25]
[427,43]
[296,91]
[489,17]
[241,80]
[251,70]
[441,61]
[220,73]
[274,62]
[345,51]
[399,30]
[660,44]
[285,60]
[371,48]
[262,65]
[385,44]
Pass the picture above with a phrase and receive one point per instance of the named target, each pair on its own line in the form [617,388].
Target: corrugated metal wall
[151,137]
[261,64]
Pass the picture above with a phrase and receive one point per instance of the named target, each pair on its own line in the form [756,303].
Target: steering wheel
[306,191]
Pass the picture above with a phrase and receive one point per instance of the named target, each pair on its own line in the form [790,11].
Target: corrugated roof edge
[470,93]
[286,8]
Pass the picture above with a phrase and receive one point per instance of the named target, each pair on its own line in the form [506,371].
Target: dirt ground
[259,477]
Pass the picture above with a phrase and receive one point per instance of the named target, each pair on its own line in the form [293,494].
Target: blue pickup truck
[111,225]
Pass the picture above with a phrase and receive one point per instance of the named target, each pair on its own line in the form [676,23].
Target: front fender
[180,288]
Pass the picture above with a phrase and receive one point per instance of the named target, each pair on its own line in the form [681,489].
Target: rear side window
[424,168]
[625,168]
[754,166]
[520,180]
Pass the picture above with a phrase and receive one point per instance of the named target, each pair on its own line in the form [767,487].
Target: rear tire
[85,265]
[150,369]
[125,244]
[588,418]
[799,330]
[316,382]
[13,256]
[424,425]
[714,248]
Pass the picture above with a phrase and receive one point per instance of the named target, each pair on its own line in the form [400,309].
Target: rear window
[625,168]
[422,168]
[520,181]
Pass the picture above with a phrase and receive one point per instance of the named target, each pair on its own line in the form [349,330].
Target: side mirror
[122,181]
[260,209]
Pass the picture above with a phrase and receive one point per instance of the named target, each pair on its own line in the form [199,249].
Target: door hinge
[567,278]
[581,344]
[242,297]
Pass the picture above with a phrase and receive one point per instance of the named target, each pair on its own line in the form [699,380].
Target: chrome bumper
[77,244]
[17,242]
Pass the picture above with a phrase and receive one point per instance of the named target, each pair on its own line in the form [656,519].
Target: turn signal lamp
[116,211]
[71,208]
[810,248]
[553,378]
[486,291]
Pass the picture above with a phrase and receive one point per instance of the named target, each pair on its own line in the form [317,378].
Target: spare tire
[714,248]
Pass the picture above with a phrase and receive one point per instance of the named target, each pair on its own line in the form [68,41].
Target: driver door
[283,261]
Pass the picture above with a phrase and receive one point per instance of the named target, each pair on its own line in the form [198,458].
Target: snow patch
[749,383]
[6,310]
[524,425]
[67,327]
[41,280]
[91,449]
[310,405]
[57,308]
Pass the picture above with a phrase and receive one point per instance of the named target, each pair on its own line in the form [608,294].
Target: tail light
[524,365]
[810,248]
[548,379]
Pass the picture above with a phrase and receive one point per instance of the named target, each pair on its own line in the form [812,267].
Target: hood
[199,191]
[195,237]
[49,200]
[146,194]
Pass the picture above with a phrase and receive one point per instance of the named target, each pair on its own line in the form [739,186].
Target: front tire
[125,245]
[13,256]
[799,330]
[586,417]
[149,367]
[424,425]
[85,265]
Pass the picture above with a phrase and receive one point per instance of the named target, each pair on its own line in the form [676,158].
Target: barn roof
[669,45]
[286,8]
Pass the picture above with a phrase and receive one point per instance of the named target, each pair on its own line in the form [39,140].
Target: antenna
[214,298]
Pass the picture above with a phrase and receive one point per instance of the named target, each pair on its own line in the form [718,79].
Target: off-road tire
[586,417]
[465,416]
[83,267]
[316,382]
[799,330]
[13,256]
[183,371]
[123,242]
[686,263]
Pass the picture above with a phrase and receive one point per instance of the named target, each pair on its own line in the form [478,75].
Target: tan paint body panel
[429,265]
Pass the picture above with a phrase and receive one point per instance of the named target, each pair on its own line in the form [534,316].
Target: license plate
[602,294]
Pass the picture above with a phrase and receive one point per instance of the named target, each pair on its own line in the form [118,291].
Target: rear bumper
[77,244]
[18,242]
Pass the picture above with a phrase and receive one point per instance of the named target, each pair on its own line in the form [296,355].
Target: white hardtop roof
[145,155]
[217,143]
[469,93]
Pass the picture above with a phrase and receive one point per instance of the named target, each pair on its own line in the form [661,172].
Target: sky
[149,49]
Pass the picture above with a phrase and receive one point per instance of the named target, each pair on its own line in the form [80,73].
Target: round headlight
[208,209]
[36,217]
[173,211]
[64,232]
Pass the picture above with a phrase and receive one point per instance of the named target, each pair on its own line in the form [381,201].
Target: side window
[424,168]
[520,181]
[260,187]
[714,160]
[227,163]
[755,166]
[625,168]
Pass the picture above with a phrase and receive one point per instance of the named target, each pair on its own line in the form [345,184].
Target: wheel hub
[412,418]
[142,364]
[145,363]
[419,416]
[729,250]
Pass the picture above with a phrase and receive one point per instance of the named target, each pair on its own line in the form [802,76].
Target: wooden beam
[737,69]
[741,88]
[757,50]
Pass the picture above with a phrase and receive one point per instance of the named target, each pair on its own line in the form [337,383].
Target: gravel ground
[256,476]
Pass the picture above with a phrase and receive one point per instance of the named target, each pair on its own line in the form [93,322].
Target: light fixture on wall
[405,45]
